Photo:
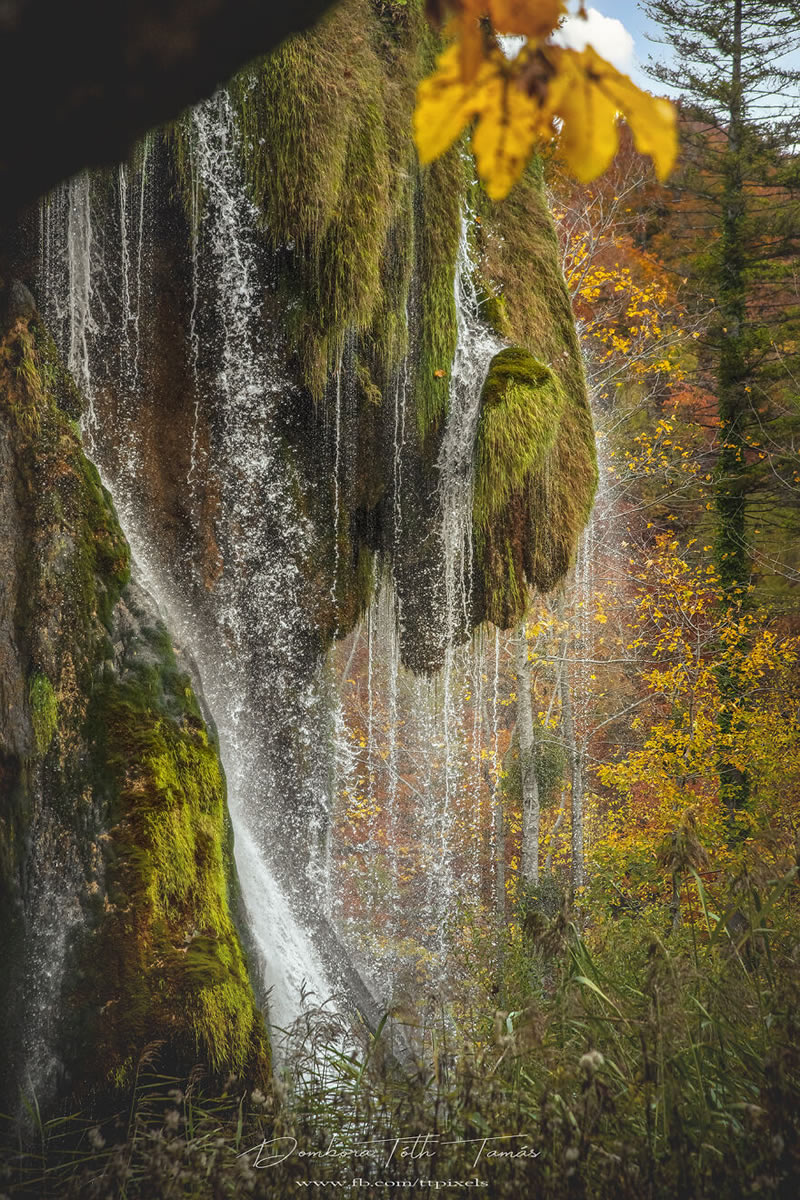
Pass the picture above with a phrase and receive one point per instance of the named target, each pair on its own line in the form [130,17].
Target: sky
[616,29]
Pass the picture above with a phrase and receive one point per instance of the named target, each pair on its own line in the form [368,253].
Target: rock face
[105,74]
[355,251]
[116,877]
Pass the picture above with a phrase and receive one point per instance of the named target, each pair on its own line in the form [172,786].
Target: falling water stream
[246,658]
[421,755]
[281,732]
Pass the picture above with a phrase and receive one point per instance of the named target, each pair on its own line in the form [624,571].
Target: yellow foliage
[587,93]
[693,723]
[506,132]
[545,91]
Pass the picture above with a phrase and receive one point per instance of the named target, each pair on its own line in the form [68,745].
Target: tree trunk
[731,483]
[499,826]
[576,757]
[675,903]
[529,865]
[500,852]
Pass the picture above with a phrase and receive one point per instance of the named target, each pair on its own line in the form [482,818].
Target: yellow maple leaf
[587,93]
[577,90]
[467,28]
[509,126]
[443,106]
[653,120]
[588,140]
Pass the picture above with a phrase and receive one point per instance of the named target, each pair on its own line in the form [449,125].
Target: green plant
[44,712]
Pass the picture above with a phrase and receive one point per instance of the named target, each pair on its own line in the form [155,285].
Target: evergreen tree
[732,62]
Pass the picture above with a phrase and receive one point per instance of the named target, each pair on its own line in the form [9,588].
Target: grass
[632,1063]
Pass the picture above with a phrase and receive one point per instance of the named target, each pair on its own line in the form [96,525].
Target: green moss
[44,712]
[441,195]
[172,962]
[520,260]
[521,410]
[326,124]
[536,543]
[493,309]
[560,498]
[521,407]
[369,390]
[163,962]
[55,379]
[330,163]
[73,511]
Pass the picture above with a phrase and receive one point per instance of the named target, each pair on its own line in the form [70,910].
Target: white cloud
[609,37]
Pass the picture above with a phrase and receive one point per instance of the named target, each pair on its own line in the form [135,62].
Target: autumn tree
[732,64]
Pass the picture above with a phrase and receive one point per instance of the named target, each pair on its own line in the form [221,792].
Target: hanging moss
[326,127]
[493,309]
[521,406]
[441,192]
[330,163]
[560,498]
[527,300]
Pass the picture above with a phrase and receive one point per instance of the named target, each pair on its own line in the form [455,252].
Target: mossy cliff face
[357,258]
[365,246]
[373,246]
[362,232]
[356,253]
[535,536]
[115,865]
[163,957]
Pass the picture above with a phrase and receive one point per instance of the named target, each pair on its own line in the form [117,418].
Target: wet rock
[16,304]
[107,73]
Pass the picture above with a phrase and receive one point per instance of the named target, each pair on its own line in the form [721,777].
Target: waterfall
[475,347]
[54,912]
[295,772]
[260,604]
[248,652]
[422,764]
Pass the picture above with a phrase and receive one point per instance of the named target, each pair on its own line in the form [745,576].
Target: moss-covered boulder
[521,499]
[532,538]
[521,407]
[117,884]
